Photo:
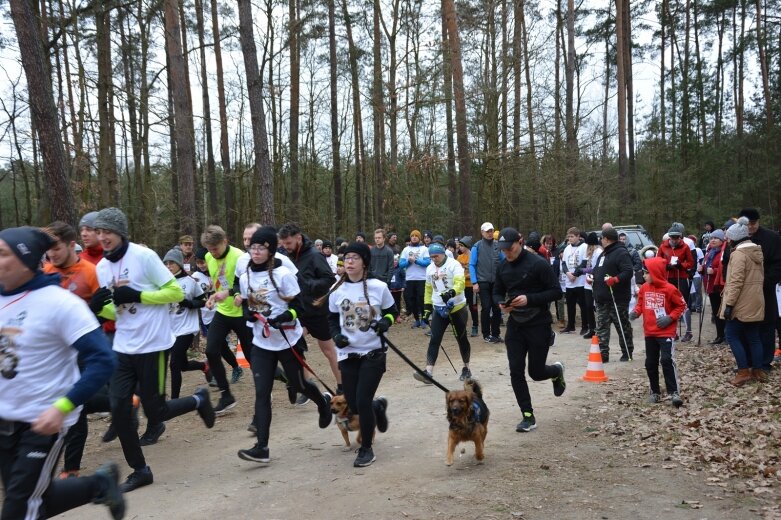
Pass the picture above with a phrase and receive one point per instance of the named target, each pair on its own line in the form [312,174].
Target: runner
[141,289]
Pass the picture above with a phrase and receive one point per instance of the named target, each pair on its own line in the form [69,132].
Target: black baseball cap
[507,237]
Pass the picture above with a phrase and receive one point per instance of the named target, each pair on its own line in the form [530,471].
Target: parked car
[636,236]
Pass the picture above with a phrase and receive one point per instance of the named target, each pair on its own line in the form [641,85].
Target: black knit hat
[29,244]
[265,236]
[362,250]
[592,239]
[200,253]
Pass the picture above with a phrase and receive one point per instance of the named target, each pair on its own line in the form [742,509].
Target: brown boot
[742,377]
[759,374]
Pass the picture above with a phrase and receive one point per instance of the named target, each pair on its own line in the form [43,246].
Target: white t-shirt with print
[332,259]
[573,256]
[203,279]
[37,361]
[243,261]
[592,262]
[415,271]
[355,317]
[441,279]
[184,320]
[141,328]
[263,298]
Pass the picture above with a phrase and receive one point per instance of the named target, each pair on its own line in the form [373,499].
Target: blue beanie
[436,249]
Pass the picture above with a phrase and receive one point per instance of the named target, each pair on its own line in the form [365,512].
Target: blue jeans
[736,330]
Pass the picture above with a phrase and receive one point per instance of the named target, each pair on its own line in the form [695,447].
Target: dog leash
[387,342]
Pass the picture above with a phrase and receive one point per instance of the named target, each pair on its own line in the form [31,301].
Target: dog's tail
[474,386]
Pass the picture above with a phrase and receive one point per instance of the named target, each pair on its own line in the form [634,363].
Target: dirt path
[560,471]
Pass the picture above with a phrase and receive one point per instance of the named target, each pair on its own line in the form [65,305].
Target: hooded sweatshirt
[743,288]
[658,298]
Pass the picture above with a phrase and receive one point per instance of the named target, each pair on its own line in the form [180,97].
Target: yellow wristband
[389,316]
[64,405]
[294,313]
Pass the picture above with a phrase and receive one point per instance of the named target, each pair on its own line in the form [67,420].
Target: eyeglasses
[257,248]
[352,258]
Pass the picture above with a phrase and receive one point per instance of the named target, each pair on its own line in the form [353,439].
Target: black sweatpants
[144,374]
[575,298]
[361,377]
[656,350]
[220,326]
[532,342]
[264,366]
[472,303]
[590,315]
[490,314]
[413,293]
[439,326]
[180,363]
[715,305]
[27,463]
[77,434]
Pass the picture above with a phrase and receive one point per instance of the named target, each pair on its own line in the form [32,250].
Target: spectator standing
[464,249]
[572,263]
[414,260]
[382,258]
[483,264]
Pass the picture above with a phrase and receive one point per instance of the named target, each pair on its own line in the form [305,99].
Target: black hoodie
[315,277]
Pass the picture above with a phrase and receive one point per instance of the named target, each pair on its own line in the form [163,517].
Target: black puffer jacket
[615,260]
[314,276]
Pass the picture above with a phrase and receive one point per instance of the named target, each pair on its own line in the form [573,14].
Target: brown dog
[467,414]
[345,420]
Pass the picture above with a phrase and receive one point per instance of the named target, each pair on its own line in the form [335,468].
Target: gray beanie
[677,229]
[174,255]
[739,230]
[717,234]
[88,220]
[112,219]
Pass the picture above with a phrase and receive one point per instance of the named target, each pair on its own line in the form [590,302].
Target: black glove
[341,341]
[279,320]
[670,267]
[126,294]
[100,299]
[249,315]
[427,309]
[663,321]
[382,325]
[187,304]
[447,295]
[728,312]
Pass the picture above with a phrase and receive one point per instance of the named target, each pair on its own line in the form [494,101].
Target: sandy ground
[560,471]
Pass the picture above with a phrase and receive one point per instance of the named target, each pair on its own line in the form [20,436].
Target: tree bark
[379,118]
[295,71]
[107,155]
[211,167]
[337,164]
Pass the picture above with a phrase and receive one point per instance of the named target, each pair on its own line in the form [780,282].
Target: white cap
[487,226]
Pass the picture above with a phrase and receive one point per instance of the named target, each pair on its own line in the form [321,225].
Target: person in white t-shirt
[330,257]
[268,292]
[445,302]
[573,261]
[361,309]
[43,329]
[141,288]
[184,320]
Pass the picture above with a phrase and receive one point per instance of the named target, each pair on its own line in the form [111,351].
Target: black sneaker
[583,332]
[139,478]
[111,495]
[605,356]
[256,454]
[465,374]
[624,357]
[588,335]
[487,339]
[676,400]
[236,374]
[152,434]
[495,339]
[422,378]
[225,404]
[559,385]
[718,341]
[326,416]
[365,457]
[527,424]
[567,330]
[205,408]
[110,434]
[252,428]
[380,406]
[302,400]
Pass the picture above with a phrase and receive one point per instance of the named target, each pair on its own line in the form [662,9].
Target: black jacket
[532,276]
[315,277]
[770,243]
[615,260]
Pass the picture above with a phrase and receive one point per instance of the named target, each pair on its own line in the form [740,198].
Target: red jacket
[713,283]
[659,296]
[92,255]
[685,259]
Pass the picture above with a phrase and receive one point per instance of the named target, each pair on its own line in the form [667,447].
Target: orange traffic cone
[595,373]
[243,363]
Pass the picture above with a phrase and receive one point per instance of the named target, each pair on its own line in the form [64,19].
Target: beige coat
[743,288]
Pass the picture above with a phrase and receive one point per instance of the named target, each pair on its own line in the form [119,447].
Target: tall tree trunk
[183,120]
[378,103]
[557,78]
[464,160]
[572,140]
[763,64]
[107,156]
[360,155]
[211,167]
[447,74]
[621,88]
[393,92]
[43,110]
[337,166]
[529,112]
[663,17]
[699,78]
[262,168]
[630,102]
[295,70]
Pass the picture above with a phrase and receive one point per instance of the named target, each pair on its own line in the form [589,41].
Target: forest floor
[599,452]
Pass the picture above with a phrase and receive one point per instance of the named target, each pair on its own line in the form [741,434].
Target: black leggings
[590,319]
[264,366]
[490,314]
[439,326]
[77,434]
[528,342]
[575,297]
[414,297]
[218,329]
[715,304]
[180,363]
[470,301]
[361,377]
